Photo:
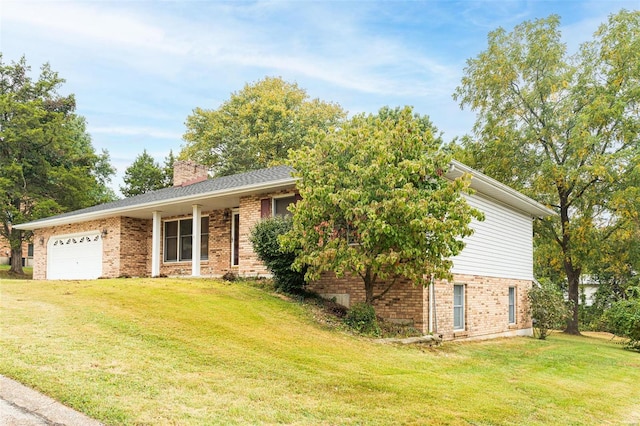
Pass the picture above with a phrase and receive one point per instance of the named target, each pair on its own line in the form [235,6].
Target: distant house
[588,288]
[5,253]
[201,227]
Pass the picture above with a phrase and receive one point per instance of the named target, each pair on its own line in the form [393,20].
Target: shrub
[548,308]
[264,237]
[361,317]
[230,276]
[623,319]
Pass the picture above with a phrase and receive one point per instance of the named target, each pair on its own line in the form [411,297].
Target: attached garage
[75,257]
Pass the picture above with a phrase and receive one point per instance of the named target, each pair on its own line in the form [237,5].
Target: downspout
[435,312]
[432,306]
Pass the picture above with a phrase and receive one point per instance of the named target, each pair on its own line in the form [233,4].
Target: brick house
[155,234]
[5,252]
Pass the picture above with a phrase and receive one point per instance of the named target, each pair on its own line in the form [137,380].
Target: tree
[167,170]
[623,319]
[47,162]
[563,129]
[256,127]
[375,202]
[548,308]
[145,175]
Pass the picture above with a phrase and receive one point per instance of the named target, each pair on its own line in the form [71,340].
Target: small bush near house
[264,237]
[623,319]
[361,317]
[548,308]
[230,276]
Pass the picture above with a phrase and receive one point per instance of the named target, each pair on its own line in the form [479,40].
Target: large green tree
[256,127]
[375,202]
[47,162]
[145,174]
[561,128]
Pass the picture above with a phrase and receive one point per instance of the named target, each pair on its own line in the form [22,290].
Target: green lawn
[5,274]
[168,351]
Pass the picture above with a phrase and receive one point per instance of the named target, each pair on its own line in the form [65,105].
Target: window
[235,239]
[458,307]
[30,250]
[178,242]
[512,305]
[280,205]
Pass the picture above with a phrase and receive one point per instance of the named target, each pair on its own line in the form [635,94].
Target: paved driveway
[22,406]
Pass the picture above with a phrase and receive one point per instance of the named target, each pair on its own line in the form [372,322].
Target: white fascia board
[499,191]
[189,199]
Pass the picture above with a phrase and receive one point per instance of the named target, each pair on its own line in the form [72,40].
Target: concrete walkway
[22,406]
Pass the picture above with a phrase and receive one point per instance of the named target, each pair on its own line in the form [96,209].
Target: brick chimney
[188,172]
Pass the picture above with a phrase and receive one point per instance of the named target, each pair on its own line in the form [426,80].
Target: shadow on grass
[6,274]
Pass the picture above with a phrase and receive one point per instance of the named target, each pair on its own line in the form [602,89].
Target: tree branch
[381,295]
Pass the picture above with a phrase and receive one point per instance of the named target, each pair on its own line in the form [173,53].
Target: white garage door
[75,257]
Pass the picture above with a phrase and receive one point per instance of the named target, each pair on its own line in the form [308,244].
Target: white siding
[501,246]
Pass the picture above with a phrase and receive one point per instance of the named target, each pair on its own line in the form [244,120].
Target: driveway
[22,406]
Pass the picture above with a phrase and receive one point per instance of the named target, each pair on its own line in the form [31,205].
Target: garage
[75,257]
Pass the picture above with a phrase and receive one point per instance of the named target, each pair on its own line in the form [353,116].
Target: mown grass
[6,274]
[168,351]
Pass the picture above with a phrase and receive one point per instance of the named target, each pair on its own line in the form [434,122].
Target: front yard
[180,351]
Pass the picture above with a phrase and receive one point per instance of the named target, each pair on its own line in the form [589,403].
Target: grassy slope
[5,274]
[170,351]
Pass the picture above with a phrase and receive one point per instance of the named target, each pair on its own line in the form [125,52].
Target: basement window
[512,305]
[458,307]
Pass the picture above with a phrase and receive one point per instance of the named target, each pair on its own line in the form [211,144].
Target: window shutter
[265,208]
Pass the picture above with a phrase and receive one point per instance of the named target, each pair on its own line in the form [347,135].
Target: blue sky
[139,68]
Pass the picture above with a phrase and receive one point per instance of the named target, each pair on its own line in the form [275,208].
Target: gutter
[535,206]
[55,221]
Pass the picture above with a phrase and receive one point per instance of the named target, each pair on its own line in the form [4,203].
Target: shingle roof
[224,183]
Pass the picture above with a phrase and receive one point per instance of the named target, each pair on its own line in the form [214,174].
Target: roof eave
[100,214]
[508,195]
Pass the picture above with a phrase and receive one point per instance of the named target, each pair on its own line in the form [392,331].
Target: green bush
[623,319]
[548,308]
[361,317]
[264,237]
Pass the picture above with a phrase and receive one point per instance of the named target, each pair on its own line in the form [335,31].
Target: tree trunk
[573,273]
[15,240]
[16,261]
[573,278]
[368,287]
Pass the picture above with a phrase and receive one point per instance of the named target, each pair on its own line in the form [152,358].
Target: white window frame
[235,213]
[459,308]
[279,197]
[512,305]
[204,236]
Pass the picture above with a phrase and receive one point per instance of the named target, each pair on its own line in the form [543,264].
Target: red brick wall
[486,303]
[403,303]
[486,306]
[188,172]
[135,250]
[110,245]
[5,251]
[249,265]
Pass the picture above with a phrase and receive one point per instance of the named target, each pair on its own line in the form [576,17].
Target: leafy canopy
[375,203]
[563,129]
[145,175]
[256,127]
[47,162]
